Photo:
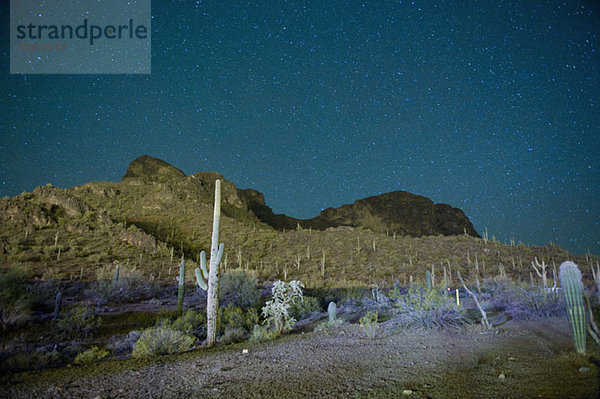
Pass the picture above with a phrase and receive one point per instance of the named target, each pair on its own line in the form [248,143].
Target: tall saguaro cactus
[210,281]
[570,279]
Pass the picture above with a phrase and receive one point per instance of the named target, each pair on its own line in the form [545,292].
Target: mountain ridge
[396,212]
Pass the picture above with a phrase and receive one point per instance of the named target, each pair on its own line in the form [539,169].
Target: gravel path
[517,360]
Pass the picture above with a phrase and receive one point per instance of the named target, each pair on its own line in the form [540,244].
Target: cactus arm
[202,273]
[203,265]
[219,254]
[200,280]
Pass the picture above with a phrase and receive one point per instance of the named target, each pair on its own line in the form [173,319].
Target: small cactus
[116,275]
[57,305]
[332,311]
[570,279]
[181,288]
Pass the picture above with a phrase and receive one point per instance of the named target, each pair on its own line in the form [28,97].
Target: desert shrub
[233,335]
[262,333]
[304,308]
[523,302]
[123,343]
[426,308]
[31,360]
[162,340]
[51,275]
[329,324]
[239,289]
[130,284]
[276,310]
[235,318]
[191,322]
[352,294]
[369,324]
[420,299]
[91,355]
[78,323]
[15,306]
[444,316]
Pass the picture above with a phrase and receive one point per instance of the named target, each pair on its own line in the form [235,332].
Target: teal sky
[489,106]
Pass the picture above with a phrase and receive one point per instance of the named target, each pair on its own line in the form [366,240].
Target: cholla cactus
[570,279]
[276,311]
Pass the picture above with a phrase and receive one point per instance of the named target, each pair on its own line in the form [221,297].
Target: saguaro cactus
[212,284]
[570,279]
[181,287]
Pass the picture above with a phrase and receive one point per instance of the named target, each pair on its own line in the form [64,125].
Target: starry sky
[489,106]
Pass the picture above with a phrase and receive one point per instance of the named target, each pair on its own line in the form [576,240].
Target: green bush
[162,340]
[121,344]
[31,360]
[304,308]
[329,324]
[235,318]
[191,322]
[369,324]
[91,355]
[131,283]
[421,299]
[79,322]
[262,333]
[15,304]
[239,289]
[233,335]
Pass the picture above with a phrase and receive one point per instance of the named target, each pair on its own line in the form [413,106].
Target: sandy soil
[533,359]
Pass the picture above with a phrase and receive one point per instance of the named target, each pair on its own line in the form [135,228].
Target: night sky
[489,106]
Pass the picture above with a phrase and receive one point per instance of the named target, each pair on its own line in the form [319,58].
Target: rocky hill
[157,214]
[397,212]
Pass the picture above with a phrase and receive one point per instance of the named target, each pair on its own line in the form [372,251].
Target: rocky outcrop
[400,212]
[149,169]
[255,202]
